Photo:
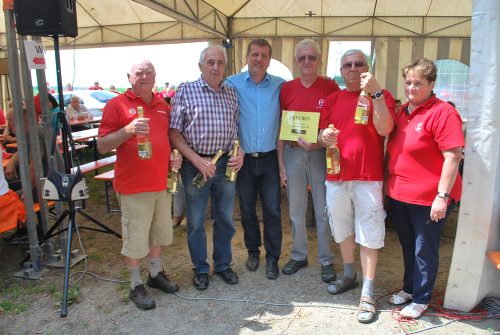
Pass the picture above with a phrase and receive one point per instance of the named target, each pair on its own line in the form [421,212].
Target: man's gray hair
[204,51]
[353,52]
[307,43]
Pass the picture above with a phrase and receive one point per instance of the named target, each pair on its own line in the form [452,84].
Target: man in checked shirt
[204,119]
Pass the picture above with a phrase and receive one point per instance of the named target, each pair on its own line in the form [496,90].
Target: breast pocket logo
[418,127]
[132,111]
[321,103]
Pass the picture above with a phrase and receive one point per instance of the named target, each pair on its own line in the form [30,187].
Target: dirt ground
[297,304]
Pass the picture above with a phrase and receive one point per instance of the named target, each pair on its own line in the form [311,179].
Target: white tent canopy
[158,21]
[437,29]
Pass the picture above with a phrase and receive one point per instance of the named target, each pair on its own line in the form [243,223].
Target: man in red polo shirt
[141,184]
[354,196]
[302,163]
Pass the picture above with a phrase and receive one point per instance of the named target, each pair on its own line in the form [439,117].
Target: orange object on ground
[11,211]
[495,258]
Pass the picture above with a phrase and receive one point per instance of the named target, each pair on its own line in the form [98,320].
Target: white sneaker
[413,311]
[400,298]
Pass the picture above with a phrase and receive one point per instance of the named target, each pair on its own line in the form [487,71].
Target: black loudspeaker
[46,17]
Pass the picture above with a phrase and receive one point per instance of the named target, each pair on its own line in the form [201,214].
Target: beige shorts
[356,207]
[146,221]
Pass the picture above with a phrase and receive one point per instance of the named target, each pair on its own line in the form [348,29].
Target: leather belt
[260,154]
[211,155]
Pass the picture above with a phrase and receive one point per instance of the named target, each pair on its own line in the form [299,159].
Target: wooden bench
[107,178]
[494,257]
[96,165]
[78,147]
[36,205]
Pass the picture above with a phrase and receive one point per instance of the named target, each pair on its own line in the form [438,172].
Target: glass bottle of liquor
[362,109]
[332,157]
[231,173]
[199,181]
[144,148]
[173,177]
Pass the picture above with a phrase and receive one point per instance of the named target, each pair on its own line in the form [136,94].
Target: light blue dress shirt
[259,111]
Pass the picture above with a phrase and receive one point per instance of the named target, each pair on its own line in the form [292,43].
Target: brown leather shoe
[342,284]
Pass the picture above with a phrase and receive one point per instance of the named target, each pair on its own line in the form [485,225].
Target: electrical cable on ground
[488,308]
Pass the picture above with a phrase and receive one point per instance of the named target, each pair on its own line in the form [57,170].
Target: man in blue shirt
[258,96]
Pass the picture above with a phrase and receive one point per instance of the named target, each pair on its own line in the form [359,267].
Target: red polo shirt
[132,174]
[361,147]
[414,149]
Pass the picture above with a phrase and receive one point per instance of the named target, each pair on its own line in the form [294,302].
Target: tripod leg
[49,232]
[71,226]
[105,229]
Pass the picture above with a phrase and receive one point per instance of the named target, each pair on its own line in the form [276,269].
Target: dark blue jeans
[222,197]
[260,176]
[419,238]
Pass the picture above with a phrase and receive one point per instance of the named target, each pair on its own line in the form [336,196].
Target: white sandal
[413,311]
[400,298]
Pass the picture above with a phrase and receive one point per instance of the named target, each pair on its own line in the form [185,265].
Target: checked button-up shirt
[207,119]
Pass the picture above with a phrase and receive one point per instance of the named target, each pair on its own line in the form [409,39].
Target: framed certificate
[299,124]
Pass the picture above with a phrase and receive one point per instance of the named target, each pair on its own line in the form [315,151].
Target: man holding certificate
[302,160]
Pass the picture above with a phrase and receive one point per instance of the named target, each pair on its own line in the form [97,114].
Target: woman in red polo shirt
[424,151]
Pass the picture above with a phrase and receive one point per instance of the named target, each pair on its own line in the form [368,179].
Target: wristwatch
[443,195]
[378,95]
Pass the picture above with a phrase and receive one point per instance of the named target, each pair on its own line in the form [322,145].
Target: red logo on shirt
[418,127]
[132,111]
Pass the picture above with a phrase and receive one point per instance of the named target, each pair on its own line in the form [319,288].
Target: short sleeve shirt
[132,174]
[361,147]
[207,119]
[296,97]
[415,151]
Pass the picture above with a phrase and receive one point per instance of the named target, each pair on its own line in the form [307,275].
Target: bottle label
[362,110]
[332,161]
[173,180]
[144,150]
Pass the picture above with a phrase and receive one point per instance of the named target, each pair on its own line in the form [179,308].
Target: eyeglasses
[349,65]
[311,58]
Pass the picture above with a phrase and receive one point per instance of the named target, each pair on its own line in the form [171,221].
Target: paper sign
[299,124]
[35,56]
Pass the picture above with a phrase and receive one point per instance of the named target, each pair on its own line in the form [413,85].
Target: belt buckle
[255,154]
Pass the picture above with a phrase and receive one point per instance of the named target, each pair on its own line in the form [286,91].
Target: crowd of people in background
[199,118]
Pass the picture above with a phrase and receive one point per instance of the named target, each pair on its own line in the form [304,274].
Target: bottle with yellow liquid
[362,109]
[144,148]
[231,173]
[199,181]
[332,157]
[173,177]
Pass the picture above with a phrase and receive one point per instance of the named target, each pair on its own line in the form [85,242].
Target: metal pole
[34,135]
[47,134]
[21,139]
